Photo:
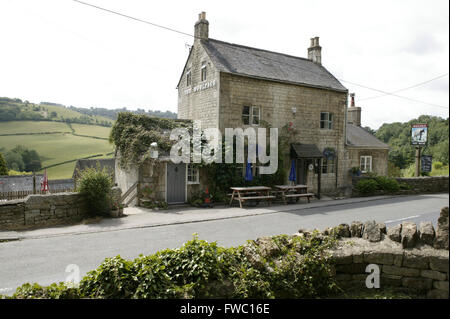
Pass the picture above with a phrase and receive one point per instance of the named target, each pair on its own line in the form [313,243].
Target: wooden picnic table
[294,191]
[242,194]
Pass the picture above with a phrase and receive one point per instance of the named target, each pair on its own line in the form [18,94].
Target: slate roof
[81,164]
[252,62]
[300,150]
[359,137]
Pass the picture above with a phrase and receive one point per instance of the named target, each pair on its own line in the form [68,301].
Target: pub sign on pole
[419,134]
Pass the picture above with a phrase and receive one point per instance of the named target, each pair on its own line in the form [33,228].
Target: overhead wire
[267,58]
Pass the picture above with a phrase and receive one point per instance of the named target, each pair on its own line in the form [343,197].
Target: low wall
[417,185]
[42,210]
[408,257]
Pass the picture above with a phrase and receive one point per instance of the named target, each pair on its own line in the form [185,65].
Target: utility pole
[417,170]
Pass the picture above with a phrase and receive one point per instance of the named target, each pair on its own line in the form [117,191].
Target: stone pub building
[226,85]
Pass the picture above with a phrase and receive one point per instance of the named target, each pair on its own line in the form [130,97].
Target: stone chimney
[201,27]
[315,51]
[354,112]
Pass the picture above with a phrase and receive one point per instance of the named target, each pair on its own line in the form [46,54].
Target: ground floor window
[251,115]
[365,164]
[192,174]
[328,165]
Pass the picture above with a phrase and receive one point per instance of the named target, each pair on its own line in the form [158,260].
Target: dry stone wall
[42,210]
[417,185]
[408,256]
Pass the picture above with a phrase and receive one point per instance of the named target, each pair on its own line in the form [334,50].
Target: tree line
[398,136]
[19,159]
[18,110]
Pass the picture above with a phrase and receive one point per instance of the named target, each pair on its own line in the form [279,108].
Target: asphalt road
[44,260]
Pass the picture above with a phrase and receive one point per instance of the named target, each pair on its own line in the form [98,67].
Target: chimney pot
[354,112]
[315,51]
[201,29]
[352,95]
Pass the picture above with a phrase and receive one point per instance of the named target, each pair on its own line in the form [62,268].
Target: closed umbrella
[248,172]
[292,174]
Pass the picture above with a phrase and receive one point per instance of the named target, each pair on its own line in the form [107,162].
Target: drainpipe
[345,128]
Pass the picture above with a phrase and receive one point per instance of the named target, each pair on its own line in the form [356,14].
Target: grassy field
[64,112]
[91,130]
[15,127]
[56,148]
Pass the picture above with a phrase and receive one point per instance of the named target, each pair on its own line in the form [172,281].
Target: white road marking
[400,219]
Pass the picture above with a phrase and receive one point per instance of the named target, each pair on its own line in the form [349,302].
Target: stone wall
[199,104]
[407,256]
[276,101]
[42,210]
[418,185]
[16,183]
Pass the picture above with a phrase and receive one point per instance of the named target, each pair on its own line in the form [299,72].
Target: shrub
[54,291]
[112,279]
[95,186]
[387,184]
[367,186]
[394,171]
[437,165]
[298,269]
[3,167]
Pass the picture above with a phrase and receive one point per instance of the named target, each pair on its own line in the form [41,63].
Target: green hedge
[379,183]
[277,267]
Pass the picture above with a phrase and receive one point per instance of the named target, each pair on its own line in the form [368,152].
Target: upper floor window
[365,164]
[188,77]
[203,71]
[326,120]
[251,115]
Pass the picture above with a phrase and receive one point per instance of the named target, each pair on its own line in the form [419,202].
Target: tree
[21,158]
[3,167]
[14,161]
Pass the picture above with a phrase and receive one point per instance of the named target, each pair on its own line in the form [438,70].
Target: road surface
[44,260]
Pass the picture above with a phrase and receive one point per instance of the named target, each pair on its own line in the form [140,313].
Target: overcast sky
[64,52]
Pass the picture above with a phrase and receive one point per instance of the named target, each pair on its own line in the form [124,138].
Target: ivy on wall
[133,134]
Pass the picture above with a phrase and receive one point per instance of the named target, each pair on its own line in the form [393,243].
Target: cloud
[423,44]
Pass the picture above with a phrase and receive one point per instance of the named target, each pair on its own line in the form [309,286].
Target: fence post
[34,182]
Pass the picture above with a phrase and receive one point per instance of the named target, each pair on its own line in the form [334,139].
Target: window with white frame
[328,165]
[251,115]
[365,164]
[192,174]
[203,71]
[326,120]
[188,77]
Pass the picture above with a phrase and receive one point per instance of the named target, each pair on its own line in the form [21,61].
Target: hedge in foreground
[270,267]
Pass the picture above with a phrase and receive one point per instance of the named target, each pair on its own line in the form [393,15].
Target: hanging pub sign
[426,163]
[328,153]
[419,134]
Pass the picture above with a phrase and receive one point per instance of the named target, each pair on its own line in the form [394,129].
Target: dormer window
[188,77]
[203,71]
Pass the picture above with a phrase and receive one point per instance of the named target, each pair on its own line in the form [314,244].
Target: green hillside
[55,143]
[18,110]
[59,134]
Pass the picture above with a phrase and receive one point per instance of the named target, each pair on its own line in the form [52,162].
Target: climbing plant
[133,134]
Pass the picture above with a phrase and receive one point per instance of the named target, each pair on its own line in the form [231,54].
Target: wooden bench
[257,198]
[307,195]
[257,193]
